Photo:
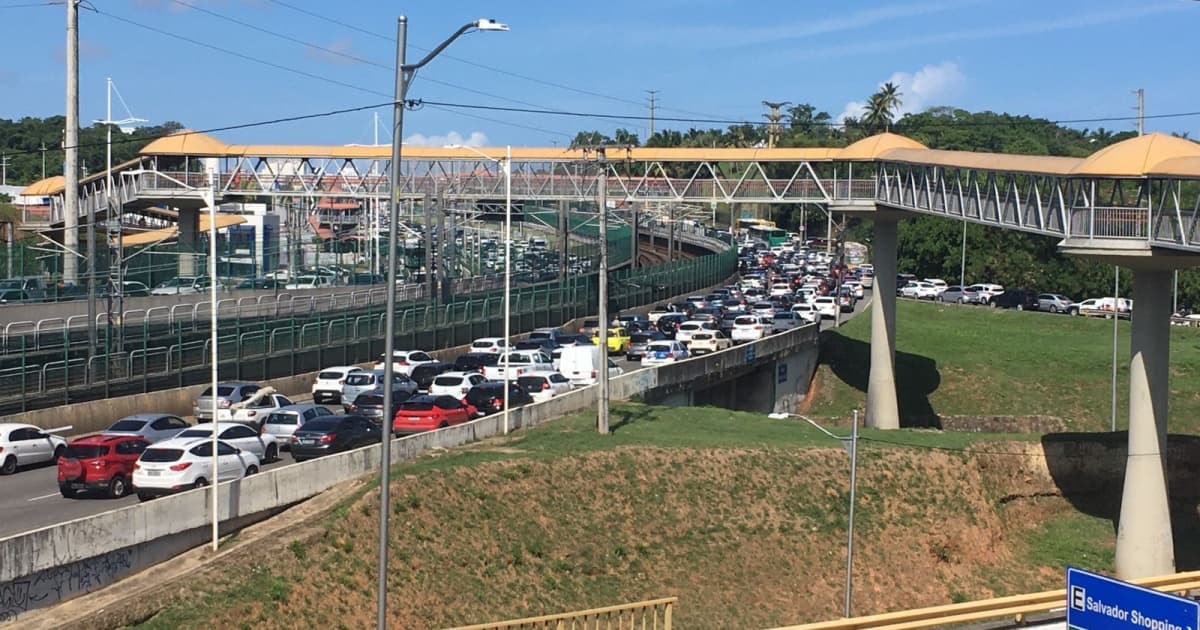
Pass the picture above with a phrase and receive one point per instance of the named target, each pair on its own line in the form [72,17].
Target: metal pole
[850,517]
[426,204]
[1175,293]
[1116,318]
[962,265]
[389,340]
[70,268]
[602,407]
[507,273]
[210,199]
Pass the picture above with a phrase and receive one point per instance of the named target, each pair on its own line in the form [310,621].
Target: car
[128,288]
[314,281]
[183,463]
[455,384]
[826,305]
[333,434]
[327,388]
[283,422]
[668,324]
[370,403]
[544,344]
[492,345]
[228,393]
[1016,298]
[1054,302]
[253,409]
[920,290]
[426,413]
[99,463]
[687,329]
[638,342]
[544,386]
[365,381]
[488,397]
[664,352]
[259,284]
[557,335]
[785,320]
[706,341]
[957,293]
[424,374]
[182,285]
[154,427]
[475,361]
[15,296]
[984,292]
[26,445]
[763,309]
[518,363]
[1101,307]
[581,365]
[264,445]
[618,340]
[806,312]
[404,361]
[750,328]
[359,279]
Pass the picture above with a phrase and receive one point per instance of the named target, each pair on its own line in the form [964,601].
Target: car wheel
[1054,309]
[200,483]
[58,453]
[9,467]
[443,425]
[66,492]
[251,470]
[272,454]
[1020,307]
[117,487]
[143,497]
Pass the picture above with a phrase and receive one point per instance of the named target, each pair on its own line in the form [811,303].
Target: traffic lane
[29,499]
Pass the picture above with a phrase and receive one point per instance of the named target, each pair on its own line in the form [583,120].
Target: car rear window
[359,379]
[328,423]
[701,336]
[531,382]
[784,315]
[483,344]
[330,375]
[746,321]
[658,347]
[128,425]
[284,418]
[448,381]
[368,399]
[161,454]
[86,451]
[222,390]
[416,406]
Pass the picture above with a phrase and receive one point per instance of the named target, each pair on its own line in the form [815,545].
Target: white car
[663,352]
[264,445]
[25,444]
[185,285]
[984,292]
[180,464]
[328,386]
[685,330]
[785,320]
[749,328]
[707,341]
[455,384]
[780,288]
[806,312]
[763,309]
[521,362]
[404,361]
[920,290]
[309,282]
[937,282]
[544,386]
[254,409]
[826,305]
[491,345]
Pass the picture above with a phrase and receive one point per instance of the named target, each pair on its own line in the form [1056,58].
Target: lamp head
[488,24]
[779,416]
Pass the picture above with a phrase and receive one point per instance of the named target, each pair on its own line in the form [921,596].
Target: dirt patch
[746,538]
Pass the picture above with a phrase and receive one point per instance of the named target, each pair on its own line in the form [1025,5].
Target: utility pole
[43,160]
[1141,110]
[3,169]
[602,369]
[653,94]
[774,119]
[70,267]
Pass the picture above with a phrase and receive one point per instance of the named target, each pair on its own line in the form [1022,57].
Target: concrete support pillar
[883,412]
[1145,545]
[189,242]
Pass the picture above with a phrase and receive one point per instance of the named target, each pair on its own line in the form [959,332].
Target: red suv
[99,463]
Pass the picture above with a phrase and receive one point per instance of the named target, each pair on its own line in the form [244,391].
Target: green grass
[1071,538]
[953,360]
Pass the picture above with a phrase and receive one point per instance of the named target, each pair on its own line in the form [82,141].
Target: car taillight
[342,382]
[545,385]
[328,437]
[352,407]
[223,403]
[181,466]
[251,413]
[294,439]
[404,363]
[595,374]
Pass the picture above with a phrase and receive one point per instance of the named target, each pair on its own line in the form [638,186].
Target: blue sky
[1061,59]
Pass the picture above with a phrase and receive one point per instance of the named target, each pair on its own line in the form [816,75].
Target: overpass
[1132,204]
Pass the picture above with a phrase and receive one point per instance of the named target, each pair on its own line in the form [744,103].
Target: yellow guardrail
[1015,606]
[654,614]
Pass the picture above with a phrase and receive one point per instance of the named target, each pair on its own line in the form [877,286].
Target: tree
[882,107]
[590,139]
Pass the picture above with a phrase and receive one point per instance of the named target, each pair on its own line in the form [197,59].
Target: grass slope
[954,360]
[740,516]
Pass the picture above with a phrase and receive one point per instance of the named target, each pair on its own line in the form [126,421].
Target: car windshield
[359,379]
[162,454]
[128,425]
[86,451]
[283,418]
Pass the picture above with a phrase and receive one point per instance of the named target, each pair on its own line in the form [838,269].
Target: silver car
[283,422]
[154,427]
[360,382]
[1053,302]
[228,393]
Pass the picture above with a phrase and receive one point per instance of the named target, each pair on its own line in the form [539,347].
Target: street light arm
[482,24]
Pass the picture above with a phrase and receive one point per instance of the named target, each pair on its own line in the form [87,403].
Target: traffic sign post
[1098,602]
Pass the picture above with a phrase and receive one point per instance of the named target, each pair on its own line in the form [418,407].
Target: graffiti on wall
[51,586]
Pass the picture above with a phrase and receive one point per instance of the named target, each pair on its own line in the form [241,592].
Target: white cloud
[918,90]
[473,139]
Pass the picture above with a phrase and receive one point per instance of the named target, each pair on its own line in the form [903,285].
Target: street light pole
[602,407]
[404,75]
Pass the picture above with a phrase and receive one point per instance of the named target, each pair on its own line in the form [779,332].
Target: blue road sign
[1097,602]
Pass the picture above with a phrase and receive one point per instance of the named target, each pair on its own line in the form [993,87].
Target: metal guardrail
[654,614]
[1015,607]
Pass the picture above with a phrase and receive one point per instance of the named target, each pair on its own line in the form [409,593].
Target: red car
[100,463]
[426,413]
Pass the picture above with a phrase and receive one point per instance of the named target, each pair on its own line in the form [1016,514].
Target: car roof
[8,426]
[147,416]
[221,426]
[348,368]
[457,373]
[184,443]
[297,407]
[104,438]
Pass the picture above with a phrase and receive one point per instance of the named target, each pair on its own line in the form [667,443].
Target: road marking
[47,496]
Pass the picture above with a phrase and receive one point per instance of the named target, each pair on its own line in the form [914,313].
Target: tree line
[32,144]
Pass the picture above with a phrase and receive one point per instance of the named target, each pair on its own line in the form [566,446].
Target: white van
[581,365]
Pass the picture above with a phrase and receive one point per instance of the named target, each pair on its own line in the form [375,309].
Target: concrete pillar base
[1145,544]
[883,411]
[189,242]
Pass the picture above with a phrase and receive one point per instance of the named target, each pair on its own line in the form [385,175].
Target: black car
[14,296]
[260,283]
[424,374]
[370,404]
[1019,299]
[365,278]
[546,345]
[667,324]
[488,397]
[333,434]
[475,361]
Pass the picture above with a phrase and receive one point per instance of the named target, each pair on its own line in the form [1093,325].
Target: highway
[30,498]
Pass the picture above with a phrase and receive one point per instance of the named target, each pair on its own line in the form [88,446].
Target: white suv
[920,290]
[328,386]
[181,464]
[749,328]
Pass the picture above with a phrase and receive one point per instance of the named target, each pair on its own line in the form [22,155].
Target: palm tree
[881,107]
